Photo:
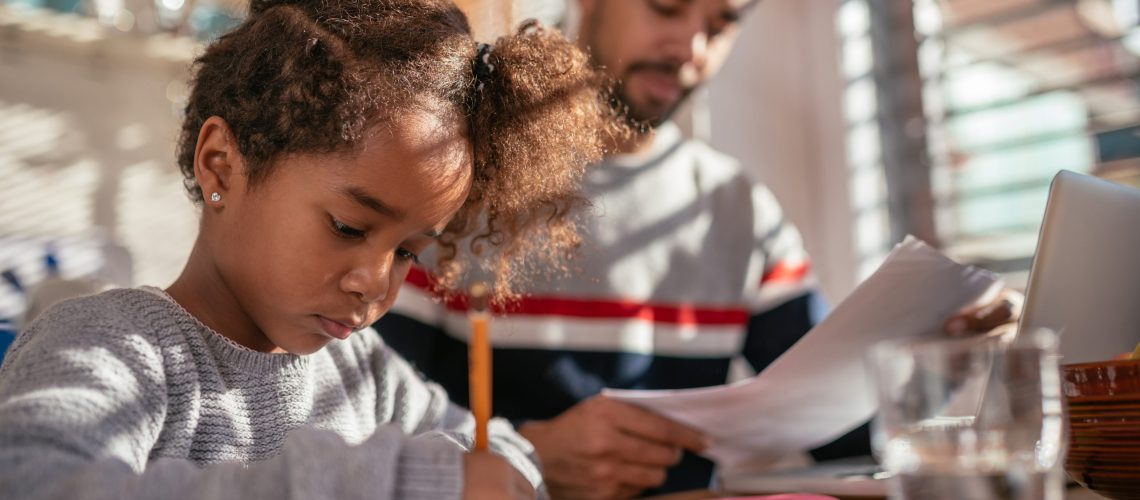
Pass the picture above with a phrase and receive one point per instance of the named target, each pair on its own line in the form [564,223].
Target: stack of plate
[1104,426]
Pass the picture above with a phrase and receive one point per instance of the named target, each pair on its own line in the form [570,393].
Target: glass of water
[970,418]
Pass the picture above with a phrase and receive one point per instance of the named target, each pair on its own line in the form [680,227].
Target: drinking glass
[970,418]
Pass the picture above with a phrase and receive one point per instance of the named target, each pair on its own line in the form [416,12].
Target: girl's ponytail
[539,116]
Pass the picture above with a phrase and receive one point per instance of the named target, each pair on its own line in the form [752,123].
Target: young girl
[329,142]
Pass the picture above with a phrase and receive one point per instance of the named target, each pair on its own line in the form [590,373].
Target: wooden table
[1079,493]
[1073,493]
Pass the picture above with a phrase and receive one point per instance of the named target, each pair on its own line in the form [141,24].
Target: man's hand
[602,448]
[1006,308]
[490,477]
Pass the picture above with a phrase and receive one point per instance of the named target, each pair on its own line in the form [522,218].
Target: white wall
[87,132]
[776,107]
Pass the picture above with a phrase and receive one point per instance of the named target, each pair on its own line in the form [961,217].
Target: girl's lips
[335,329]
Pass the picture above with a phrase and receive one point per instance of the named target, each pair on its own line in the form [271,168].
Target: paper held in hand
[818,390]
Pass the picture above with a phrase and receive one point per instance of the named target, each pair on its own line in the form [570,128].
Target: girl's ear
[218,164]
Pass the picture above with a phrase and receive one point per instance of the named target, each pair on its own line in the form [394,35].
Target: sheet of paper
[818,390]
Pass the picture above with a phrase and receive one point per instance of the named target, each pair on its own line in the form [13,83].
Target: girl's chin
[306,345]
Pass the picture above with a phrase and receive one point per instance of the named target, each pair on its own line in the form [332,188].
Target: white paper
[818,390]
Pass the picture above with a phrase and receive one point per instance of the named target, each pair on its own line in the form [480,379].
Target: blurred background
[869,119]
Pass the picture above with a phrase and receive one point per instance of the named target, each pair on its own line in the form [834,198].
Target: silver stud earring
[215,197]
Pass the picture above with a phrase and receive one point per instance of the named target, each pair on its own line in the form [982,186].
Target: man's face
[659,50]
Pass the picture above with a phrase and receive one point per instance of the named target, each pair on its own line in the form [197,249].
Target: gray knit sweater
[124,395]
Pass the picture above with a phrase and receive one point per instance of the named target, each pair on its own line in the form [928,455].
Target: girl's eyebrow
[371,202]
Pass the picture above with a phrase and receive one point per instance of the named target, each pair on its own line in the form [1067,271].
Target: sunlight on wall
[150,199]
[87,166]
[867,181]
[46,188]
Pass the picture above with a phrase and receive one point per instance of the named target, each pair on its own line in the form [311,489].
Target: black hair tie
[483,67]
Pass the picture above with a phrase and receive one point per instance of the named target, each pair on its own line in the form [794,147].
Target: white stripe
[419,305]
[606,335]
[774,294]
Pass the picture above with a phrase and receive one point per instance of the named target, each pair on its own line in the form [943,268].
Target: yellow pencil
[479,361]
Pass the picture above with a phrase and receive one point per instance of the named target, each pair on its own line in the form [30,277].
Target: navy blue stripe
[540,384]
[772,333]
[535,384]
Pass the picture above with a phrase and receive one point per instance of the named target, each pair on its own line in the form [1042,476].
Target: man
[685,263]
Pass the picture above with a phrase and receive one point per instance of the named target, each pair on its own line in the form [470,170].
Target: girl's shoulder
[125,313]
[111,309]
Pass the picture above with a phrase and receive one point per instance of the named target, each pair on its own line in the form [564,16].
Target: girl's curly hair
[310,76]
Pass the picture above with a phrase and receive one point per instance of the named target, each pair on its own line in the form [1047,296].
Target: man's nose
[690,47]
[699,49]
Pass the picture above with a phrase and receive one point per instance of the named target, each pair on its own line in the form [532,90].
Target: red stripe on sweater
[786,272]
[680,314]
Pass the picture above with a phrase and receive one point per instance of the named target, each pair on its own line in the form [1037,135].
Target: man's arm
[786,304]
[773,332]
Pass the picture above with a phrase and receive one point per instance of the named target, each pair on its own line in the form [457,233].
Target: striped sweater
[685,264]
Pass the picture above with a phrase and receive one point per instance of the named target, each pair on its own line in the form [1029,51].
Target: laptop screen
[1085,279]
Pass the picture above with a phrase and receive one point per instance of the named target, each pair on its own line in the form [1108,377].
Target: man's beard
[644,119]
[639,113]
[647,117]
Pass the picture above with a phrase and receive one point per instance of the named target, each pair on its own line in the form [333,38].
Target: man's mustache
[668,68]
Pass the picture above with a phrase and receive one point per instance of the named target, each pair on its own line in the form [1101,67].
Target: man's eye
[665,8]
[345,231]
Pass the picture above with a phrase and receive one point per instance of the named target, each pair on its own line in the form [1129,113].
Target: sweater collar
[226,352]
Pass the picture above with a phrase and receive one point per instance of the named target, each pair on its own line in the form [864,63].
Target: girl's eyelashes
[404,254]
[348,232]
[345,231]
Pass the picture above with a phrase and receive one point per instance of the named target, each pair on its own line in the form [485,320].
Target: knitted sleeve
[83,399]
[780,287]
[779,269]
[421,407]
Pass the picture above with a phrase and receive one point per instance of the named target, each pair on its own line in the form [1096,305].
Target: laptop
[1084,282]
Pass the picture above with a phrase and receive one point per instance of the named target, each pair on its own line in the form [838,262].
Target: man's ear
[586,7]
[580,16]
[218,165]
